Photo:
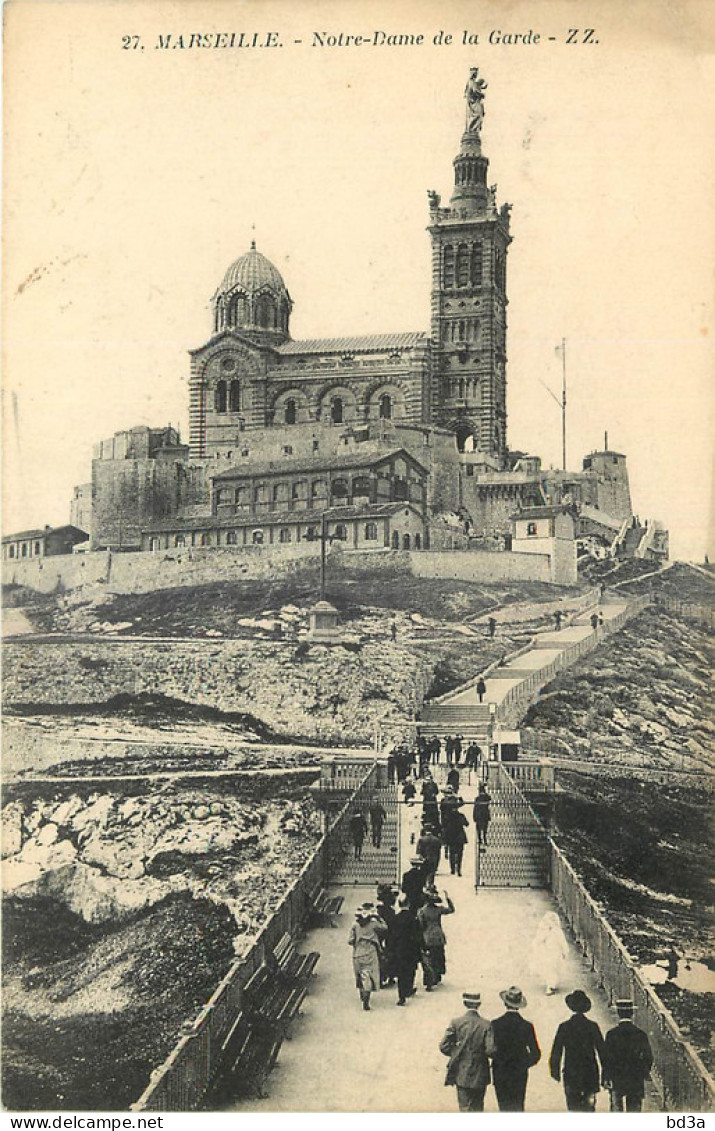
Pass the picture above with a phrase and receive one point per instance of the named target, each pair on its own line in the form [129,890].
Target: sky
[134,177]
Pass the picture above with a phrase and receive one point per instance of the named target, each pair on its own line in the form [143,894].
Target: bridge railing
[684,1080]
[704,614]
[185,1076]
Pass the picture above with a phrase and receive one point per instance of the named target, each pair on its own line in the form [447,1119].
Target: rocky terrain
[644,850]
[121,913]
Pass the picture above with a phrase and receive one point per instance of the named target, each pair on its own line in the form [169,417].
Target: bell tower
[470,239]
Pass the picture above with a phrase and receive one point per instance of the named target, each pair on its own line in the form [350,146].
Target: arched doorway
[464,432]
[405,541]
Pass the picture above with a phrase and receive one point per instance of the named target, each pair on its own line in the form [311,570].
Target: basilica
[382,440]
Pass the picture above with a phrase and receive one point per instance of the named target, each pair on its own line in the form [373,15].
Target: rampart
[145,571]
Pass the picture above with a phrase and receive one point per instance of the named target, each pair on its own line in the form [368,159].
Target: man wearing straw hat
[468,1043]
[516,1050]
[627,1060]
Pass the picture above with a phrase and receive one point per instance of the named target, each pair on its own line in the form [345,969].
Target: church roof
[250,272]
[313,464]
[364,343]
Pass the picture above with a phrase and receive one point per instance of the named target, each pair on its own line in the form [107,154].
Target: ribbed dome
[251,272]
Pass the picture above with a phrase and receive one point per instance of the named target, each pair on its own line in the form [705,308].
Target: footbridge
[235,1056]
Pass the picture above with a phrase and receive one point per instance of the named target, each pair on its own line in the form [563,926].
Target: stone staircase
[471,720]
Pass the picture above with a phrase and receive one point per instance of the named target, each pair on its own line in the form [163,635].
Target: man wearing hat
[579,1042]
[468,1042]
[413,882]
[516,1050]
[627,1060]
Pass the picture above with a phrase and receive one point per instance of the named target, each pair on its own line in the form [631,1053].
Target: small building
[45,543]
[549,530]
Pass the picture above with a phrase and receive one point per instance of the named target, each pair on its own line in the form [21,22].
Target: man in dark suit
[413,882]
[579,1043]
[468,1043]
[516,1050]
[627,1060]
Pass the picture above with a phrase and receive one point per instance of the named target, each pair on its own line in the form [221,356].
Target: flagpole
[563,401]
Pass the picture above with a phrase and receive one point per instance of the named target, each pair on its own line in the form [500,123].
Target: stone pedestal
[324,628]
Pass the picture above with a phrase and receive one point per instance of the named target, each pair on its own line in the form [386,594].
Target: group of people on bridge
[404,762]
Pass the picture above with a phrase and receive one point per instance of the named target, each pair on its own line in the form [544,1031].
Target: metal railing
[684,1081]
[703,614]
[182,1081]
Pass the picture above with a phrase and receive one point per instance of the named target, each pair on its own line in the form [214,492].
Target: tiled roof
[275,518]
[312,464]
[24,534]
[251,272]
[365,343]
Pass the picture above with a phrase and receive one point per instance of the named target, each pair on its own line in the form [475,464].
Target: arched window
[462,265]
[285,534]
[319,490]
[476,265]
[220,397]
[341,532]
[12,552]
[238,311]
[448,269]
[234,397]
[241,498]
[37,549]
[231,538]
[370,531]
[418,542]
[205,540]
[24,549]
[290,412]
[395,540]
[311,534]
[179,541]
[339,489]
[336,410]
[385,409]
[265,312]
[257,538]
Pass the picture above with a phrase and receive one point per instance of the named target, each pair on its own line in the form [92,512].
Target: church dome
[253,297]
[251,272]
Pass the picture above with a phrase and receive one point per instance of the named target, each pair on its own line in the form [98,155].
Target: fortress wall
[142,572]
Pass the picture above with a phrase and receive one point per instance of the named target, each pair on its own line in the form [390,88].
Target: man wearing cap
[579,1042]
[627,1060]
[516,1050]
[429,847]
[468,1042]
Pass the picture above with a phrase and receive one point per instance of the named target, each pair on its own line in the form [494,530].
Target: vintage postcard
[357,526]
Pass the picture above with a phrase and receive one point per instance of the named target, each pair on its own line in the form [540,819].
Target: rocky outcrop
[110,855]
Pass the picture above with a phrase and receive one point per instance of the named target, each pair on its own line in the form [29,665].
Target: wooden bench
[271,1001]
[248,1055]
[324,907]
[291,966]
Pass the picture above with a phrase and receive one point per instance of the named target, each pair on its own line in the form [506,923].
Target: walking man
[481,689]
[454,825]
[358,828]
[468,1042]
[627,1060]
[377,820]
[516,1050]
[492,627]
[579,1042]
[406,949]
[481,814]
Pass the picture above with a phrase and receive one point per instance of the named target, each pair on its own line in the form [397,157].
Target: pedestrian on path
[548,956]
[516,1050]
[366,935]
[453,778]
[429,847]
[492,627]
[434,940]
[594,621]
[579,1043]
[408,791]
[413,882]
[386,896]
[468,1042]
[558,617]
[481,815]
[454,826]
[481,689]
[377,820]
[406,944]
[627,1060]
[358,830]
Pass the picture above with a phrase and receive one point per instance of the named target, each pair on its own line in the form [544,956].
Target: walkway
[343,1060]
